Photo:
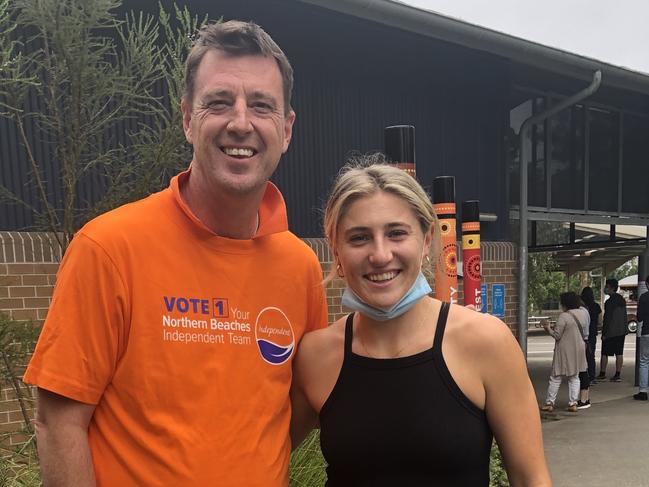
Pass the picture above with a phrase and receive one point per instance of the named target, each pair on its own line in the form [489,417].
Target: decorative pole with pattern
[471,265]
[446,288]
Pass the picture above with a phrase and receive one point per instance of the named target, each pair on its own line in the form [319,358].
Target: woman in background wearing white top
[569,353]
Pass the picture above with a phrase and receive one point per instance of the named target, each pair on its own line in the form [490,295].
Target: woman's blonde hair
[364,176]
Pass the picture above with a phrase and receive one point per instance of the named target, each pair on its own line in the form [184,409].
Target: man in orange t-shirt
[166,355]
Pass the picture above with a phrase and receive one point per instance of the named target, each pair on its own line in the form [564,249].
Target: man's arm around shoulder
[62,436]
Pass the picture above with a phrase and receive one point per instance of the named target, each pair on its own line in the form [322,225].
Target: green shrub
[307,464]
[19,464]
[497,472]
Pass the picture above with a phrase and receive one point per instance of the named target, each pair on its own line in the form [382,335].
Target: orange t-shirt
[184,340]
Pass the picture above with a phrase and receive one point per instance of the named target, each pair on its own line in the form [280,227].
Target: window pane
[630,231]
[552,233]
[535,157]
[536,166]
[603,164]
[592,232]
[517,116]
[567,159]
[635,166]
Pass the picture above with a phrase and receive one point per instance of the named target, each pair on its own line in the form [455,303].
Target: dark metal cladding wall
[353,78]
[15,169]
[455,135]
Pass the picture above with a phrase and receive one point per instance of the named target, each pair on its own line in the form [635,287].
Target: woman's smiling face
[380,248]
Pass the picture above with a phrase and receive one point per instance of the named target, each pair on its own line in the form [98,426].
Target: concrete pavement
[604,445]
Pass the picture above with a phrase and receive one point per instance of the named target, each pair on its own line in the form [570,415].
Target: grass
[19,465]
[307,464]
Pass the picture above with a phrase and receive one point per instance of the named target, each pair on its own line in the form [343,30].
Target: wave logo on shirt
[274,336]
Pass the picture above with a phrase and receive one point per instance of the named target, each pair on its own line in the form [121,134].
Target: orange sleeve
[86,326]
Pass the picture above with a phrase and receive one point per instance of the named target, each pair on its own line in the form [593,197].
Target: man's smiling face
[237,122]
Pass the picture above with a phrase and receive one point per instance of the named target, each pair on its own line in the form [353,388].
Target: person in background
[569,353]
[408,389]
[614,330]
[643,342]
[583,319]
[595,314]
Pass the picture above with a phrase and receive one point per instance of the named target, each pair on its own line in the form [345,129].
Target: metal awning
[608,257]
[588,251]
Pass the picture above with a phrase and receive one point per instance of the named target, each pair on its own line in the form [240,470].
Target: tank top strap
[441,326]
[349,334]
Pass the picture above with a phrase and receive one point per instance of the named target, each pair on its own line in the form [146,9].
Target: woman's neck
[400,336]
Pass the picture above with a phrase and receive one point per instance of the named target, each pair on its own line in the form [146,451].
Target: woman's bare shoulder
[318,362]
[324,342]
[469,321]
[478,332]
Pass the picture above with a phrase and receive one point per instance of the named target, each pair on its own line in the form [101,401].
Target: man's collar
[271,213]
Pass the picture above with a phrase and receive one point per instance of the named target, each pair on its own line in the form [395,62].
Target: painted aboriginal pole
[471,264]
[400,147]
[446,287]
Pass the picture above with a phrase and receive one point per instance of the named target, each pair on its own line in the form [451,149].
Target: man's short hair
[612,283]
[237,38]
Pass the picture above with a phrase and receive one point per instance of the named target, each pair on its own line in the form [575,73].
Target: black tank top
[403,422]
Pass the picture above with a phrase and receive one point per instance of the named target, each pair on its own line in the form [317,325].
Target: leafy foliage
[102,93]
[629,268]
[497,473]
[18,464]
[546,282]
[20,467]
[17,341]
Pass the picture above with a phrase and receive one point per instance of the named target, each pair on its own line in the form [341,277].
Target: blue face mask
[418,290]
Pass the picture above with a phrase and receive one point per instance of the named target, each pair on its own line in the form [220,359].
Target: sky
[616,32]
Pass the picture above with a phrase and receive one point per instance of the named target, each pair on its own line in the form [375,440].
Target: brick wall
[335,287]
[11,420]
[28,264]
[500,266]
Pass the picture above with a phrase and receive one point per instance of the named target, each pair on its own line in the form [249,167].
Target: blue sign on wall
[483,297]
[498,300]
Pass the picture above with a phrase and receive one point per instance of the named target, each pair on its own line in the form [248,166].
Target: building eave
[434,25]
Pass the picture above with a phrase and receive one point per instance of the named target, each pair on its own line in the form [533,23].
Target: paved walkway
[604,446]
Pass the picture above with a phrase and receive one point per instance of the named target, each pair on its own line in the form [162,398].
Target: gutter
[433,25]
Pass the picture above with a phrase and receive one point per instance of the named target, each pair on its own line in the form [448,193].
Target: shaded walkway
[603,446]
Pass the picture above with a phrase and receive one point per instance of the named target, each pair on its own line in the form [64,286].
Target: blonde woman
[408,390]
